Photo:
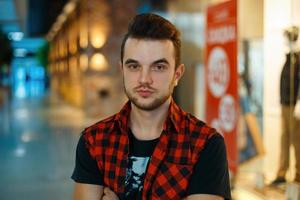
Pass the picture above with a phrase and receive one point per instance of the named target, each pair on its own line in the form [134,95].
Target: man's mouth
[144,93]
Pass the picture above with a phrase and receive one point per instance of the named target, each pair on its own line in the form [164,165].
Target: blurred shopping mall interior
[59,73]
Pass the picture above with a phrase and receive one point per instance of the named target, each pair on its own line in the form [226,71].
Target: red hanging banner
[221,75]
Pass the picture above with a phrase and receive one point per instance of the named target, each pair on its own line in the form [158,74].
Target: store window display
[289,92]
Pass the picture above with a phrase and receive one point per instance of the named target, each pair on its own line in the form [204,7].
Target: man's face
[149,72]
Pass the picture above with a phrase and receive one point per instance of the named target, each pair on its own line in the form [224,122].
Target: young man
[151,149]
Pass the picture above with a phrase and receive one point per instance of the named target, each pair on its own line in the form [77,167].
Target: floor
[37,144]
[38,137]
[251,184]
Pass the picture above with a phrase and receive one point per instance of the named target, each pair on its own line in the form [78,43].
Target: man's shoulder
[102,126]
[94,136]
[200,135]
[198,127]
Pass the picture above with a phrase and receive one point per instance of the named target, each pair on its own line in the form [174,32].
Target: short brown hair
[152,26]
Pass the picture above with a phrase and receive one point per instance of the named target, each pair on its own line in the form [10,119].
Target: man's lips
[144,93]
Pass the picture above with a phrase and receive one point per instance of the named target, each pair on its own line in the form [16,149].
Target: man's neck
[148,125]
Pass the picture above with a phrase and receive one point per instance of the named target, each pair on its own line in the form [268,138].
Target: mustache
[144,86]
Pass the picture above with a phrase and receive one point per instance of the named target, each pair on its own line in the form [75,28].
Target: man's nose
[145,76]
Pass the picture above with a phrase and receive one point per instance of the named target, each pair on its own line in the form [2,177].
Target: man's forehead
[149,48]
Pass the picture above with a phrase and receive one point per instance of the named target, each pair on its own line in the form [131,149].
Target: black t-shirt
[139,156]
[210,175]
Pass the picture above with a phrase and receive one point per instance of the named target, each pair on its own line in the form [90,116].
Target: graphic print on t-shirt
[135,176]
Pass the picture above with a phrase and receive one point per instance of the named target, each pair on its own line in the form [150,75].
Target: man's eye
[159,67]
[133,67]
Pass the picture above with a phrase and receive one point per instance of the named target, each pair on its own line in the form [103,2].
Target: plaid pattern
[171,164]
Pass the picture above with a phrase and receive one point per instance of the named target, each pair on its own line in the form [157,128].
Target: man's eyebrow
[163,60]
[129,61]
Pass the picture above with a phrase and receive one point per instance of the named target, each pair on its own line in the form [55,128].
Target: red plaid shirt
[172,161]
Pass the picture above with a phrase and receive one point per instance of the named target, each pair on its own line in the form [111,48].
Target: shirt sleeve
[86,169]
[210,174]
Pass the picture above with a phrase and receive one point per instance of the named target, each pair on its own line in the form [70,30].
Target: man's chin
[148,104]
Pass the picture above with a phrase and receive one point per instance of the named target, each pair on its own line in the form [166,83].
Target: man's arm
[204,197]
[87,176]
[210,178]
[87,191]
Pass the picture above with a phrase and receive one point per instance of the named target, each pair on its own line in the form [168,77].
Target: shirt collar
[175,117]
[122,117]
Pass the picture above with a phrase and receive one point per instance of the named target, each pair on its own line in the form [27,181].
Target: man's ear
[179,73]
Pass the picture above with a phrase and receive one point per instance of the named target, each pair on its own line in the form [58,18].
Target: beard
[155,103]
